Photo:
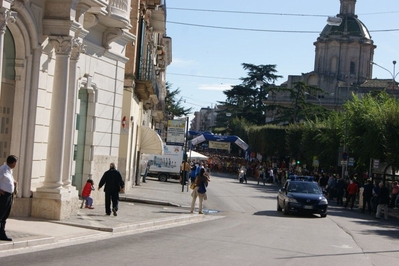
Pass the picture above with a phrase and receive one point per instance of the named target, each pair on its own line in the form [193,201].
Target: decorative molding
[62,44]
[19,4]
[90,20]
[111,35]
[6,16]
[77,48]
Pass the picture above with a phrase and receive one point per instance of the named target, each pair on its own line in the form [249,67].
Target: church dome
[351,26]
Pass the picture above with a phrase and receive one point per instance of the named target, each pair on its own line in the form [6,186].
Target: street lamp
[393,74]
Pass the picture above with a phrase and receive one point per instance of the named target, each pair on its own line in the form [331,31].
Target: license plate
[308,207]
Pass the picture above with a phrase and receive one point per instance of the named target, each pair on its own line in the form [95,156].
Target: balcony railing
[112,13]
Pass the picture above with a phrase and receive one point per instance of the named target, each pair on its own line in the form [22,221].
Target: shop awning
[151,142]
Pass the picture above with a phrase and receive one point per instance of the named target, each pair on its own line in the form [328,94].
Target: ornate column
[51,200]
[55,147]
[77,49]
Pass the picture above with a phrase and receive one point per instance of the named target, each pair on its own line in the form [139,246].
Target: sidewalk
[149,206]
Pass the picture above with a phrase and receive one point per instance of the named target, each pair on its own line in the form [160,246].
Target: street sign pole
[183,179]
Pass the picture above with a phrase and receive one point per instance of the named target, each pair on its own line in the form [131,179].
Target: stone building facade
[344,54]
[64,102]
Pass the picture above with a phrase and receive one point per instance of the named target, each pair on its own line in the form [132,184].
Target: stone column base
[55,205]
[21,207]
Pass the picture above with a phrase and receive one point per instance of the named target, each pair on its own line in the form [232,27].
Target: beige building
[73,96]
[145,87]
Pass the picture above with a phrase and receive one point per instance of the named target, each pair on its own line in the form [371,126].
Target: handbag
[192,185]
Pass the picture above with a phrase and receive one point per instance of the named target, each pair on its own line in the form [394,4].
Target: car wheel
[279,209]
[323,215]
[286,210]
[162,177]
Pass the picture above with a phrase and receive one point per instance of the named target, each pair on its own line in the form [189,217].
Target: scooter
[241,176]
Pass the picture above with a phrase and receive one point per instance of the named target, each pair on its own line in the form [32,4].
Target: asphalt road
[249,231]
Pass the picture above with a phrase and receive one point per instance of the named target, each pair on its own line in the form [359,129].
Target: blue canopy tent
[210,137]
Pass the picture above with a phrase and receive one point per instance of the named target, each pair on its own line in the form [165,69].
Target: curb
[149,201]
[139,226]
[28,242]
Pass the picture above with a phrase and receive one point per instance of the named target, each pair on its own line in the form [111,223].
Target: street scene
[154,132]
[240,225]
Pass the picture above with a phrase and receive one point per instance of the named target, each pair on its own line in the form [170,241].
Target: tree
[173,107]
[246,100]
[300,108]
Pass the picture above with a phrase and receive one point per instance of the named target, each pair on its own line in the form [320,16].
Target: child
[86,193]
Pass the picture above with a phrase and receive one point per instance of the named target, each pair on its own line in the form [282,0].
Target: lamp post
[393,74]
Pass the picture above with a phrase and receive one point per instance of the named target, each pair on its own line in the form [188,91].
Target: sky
[209,46]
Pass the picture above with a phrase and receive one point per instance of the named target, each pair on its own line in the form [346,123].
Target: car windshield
[304,187]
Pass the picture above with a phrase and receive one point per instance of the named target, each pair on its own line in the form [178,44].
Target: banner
[219,145]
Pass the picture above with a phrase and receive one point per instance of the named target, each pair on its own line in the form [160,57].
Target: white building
[63,98]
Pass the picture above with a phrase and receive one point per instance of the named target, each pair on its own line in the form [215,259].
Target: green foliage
[246,100]
[372,128]
[173,106]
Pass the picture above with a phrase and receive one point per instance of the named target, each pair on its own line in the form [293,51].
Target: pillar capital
[62,44]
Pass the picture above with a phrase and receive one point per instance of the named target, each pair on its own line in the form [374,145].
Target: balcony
[146,85]
[158,113]
[111,13]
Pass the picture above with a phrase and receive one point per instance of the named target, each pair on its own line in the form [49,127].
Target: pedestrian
[86,191]
[272,177]
[332,183]
[340,187]
[201,182]
[193,171]
[352,190]
[257,173]
[394,194]
[112,179]
[383,201]
[367,195]
[374,199]
[147,167]
[323,181]
[8,187]
[184,172]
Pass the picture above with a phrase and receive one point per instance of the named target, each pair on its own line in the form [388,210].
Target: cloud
[215,87]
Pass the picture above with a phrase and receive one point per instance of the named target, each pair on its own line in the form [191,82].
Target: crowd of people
[374,199]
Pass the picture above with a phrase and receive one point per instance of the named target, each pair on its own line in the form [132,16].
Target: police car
[302,194]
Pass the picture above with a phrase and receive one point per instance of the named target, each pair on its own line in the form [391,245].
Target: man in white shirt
[7,188]
[271,174]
